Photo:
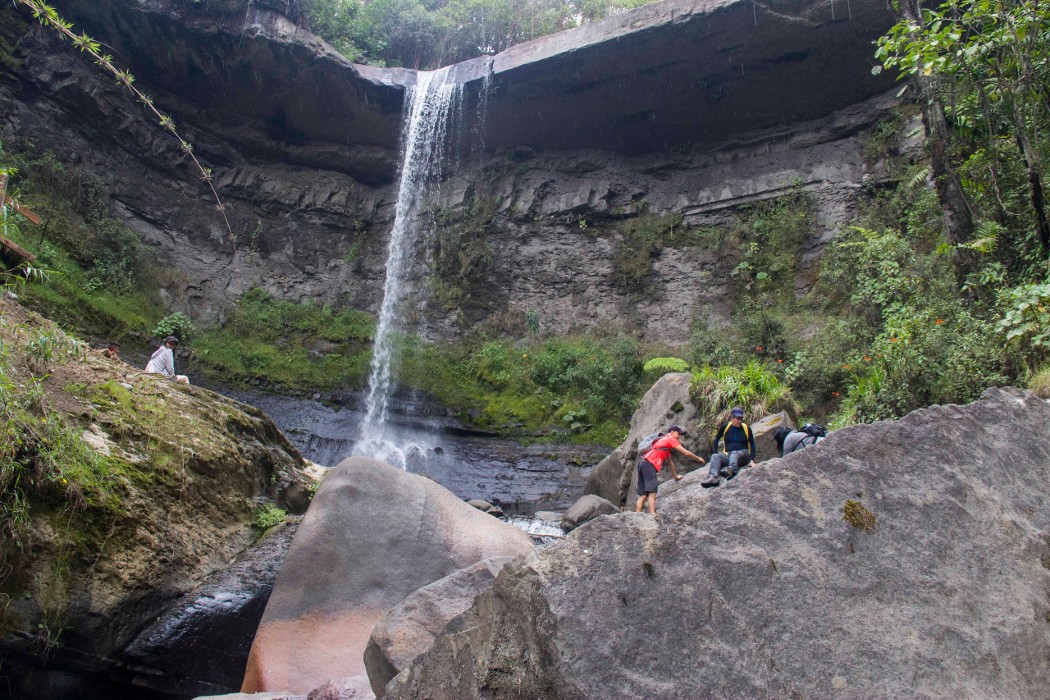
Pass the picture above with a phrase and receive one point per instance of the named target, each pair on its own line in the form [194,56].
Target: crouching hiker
[738,447]
[649,465]
[789,440]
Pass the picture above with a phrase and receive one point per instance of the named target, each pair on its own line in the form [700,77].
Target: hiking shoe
[710,482]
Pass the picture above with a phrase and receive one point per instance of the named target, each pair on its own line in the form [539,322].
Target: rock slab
[899,559]
[411,627]
[586,509]
[373,535]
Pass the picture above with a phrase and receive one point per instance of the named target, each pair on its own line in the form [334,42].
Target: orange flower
[779,360]
[834,393]
[847,366]
[867,359]
[939,321]
[758,348]
[894,340]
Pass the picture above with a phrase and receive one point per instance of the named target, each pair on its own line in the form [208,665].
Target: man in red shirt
[649,465]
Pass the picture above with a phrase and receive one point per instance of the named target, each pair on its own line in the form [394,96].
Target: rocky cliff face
[899,559]
[157,495]
[688,109]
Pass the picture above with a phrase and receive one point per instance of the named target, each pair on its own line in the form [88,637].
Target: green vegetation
[582,386]
[769,236]
[98,276]
[1040,383]
[663,365]
[754,387]
[287,345]
[854,513]
[641,239]
[177,324]
[268,515]
[460,249]
[441,32]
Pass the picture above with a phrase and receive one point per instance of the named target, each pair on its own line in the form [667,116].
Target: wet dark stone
[200,646]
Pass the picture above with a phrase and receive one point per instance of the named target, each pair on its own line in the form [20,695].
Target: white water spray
[432,103]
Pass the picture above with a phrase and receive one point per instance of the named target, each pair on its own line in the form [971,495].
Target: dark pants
[647,481]
[733,462]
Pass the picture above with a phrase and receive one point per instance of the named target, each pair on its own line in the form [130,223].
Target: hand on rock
[678,477]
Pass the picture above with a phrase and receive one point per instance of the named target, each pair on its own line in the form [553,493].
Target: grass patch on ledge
[288,345]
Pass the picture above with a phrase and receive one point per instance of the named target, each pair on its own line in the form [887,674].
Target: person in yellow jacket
[738,449]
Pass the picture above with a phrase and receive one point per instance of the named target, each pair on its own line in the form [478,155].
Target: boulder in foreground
[373,534]
[899,559]
[410,628]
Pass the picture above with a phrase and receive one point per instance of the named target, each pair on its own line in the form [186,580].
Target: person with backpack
[651,462]
[789,440]
[738,447]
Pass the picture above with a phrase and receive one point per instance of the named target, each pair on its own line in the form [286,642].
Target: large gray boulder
[584,510]
[899,559]
[666,402]
[410,628]
[373,534]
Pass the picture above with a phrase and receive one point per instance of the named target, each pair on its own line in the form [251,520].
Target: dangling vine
[49,17]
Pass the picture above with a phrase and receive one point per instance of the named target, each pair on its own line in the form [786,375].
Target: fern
[663,365]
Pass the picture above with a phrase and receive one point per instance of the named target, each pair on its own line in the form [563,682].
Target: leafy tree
[984,62]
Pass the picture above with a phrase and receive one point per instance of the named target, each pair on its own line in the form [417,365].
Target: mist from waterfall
[432,104]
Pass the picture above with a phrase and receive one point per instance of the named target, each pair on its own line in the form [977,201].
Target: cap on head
[171,339]
[676,429]
[737,412]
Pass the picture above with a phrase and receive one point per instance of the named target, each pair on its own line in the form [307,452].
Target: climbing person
[792,440]
[738,448]
[163,360]
[653,460]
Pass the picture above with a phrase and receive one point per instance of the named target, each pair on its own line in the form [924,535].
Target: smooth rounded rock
[372,535]
[587,508]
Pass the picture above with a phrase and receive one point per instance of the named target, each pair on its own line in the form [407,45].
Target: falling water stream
[433,104]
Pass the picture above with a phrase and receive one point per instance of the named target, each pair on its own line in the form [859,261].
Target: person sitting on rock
[163,360]
[649,465]
[738,447]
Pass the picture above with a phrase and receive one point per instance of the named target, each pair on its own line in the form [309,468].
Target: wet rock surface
[520,479]
[860,567]
[200,646]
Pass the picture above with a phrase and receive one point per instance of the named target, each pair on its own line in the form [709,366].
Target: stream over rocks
[521,479]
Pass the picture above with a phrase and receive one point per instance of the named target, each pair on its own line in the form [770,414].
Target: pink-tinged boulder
[373,534]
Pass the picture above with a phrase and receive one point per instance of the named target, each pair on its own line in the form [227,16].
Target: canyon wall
[678,109]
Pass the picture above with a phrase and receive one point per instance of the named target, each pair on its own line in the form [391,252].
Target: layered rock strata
[679,108]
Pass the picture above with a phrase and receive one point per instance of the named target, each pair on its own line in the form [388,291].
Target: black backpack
[814,430]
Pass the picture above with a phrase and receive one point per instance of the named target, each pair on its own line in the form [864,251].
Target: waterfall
[432,104]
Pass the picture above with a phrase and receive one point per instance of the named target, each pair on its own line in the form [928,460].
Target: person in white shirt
[163,360]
